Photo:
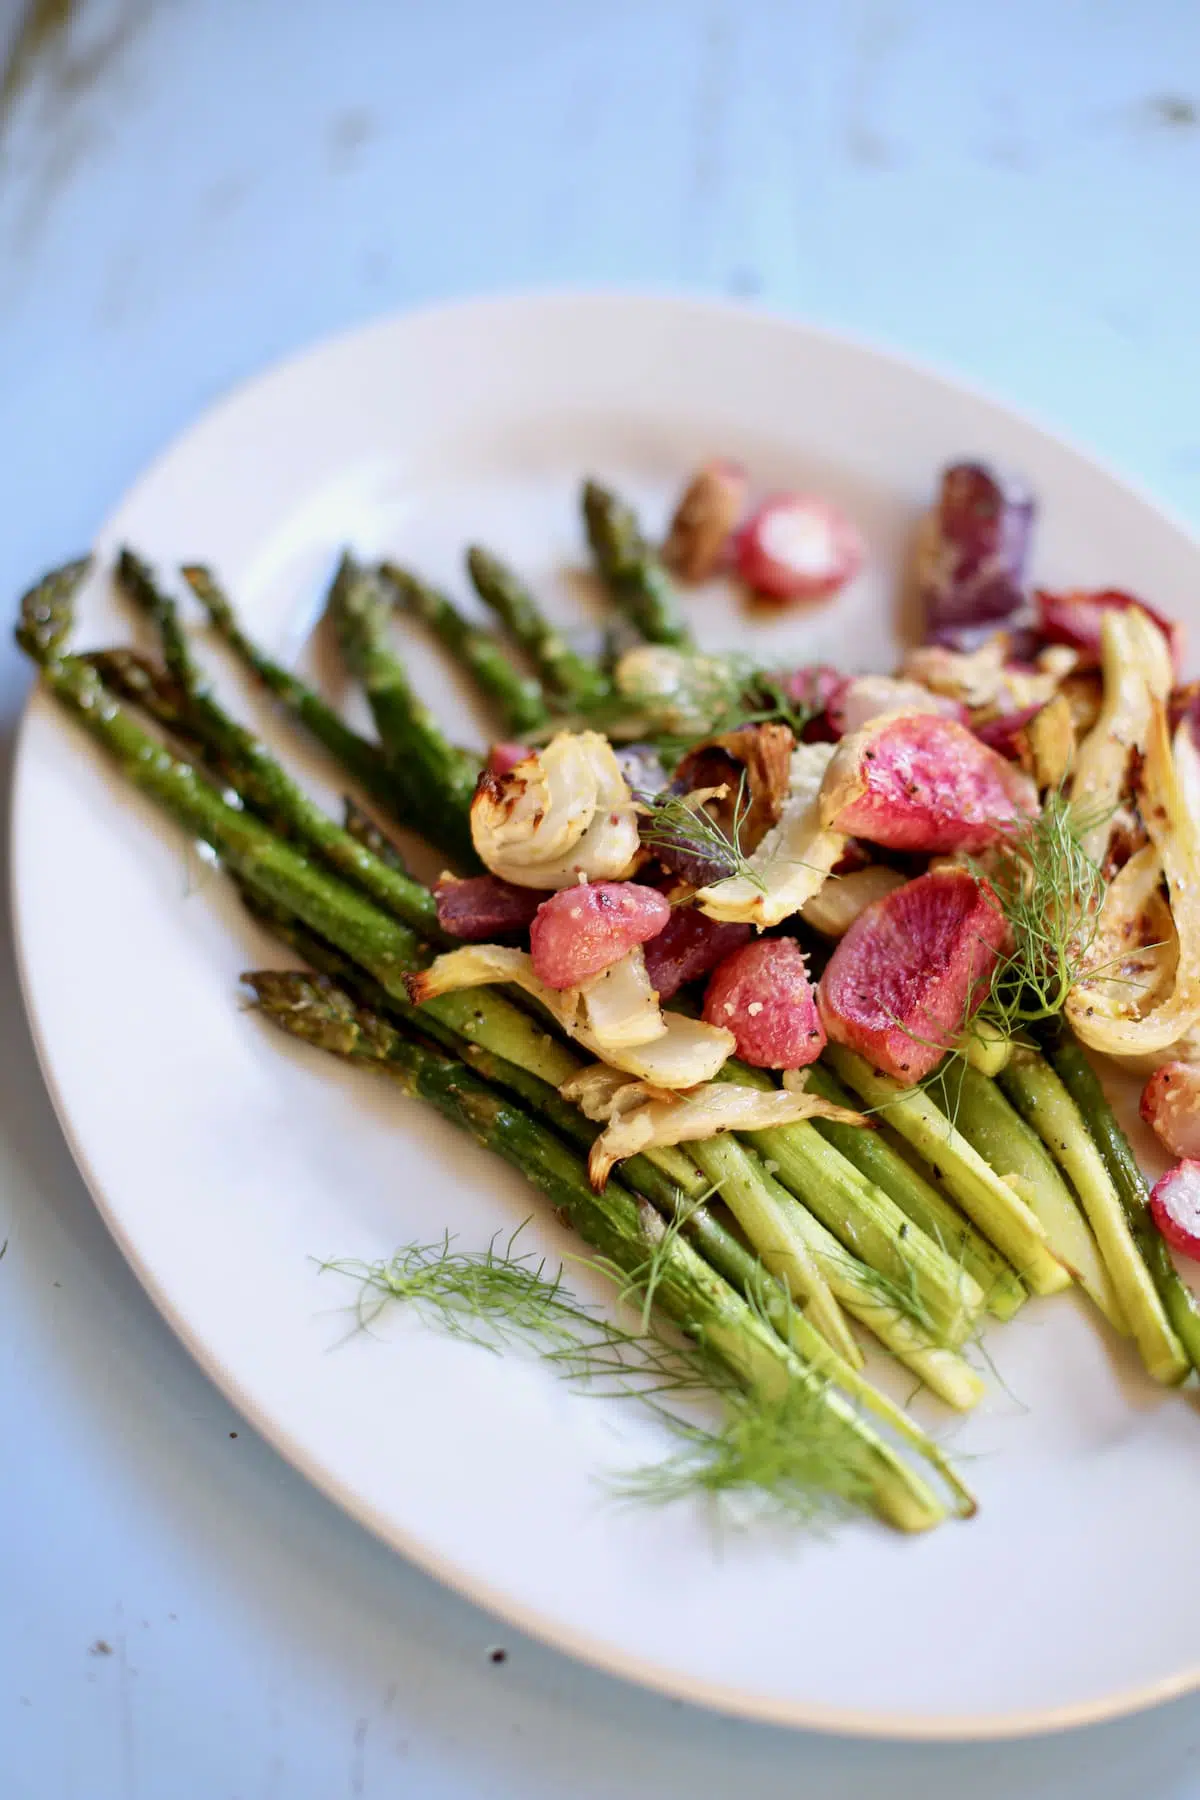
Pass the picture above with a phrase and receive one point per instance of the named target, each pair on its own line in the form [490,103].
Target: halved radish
[916,782]
[581,931]
[1175,1203]
[904,982]
[1171,1106]
[762,994]
[798,547]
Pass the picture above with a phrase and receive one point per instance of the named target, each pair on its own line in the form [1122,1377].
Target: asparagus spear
[382,946]
[575,682]
[1038,1094]
[870,1225]
[363,828]
[1083,1084]
[783,1249]
[864,1218]
[631,568]
[247,765]
[626,1231]
[989,1202]
[874,1303]
[518,698]
[882,1163]
[1016,1153]
[435,779]
[137,581]
[363,760]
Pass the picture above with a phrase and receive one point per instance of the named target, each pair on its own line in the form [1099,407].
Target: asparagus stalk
[244,761]
[518,698]
[434,779]
[870,1225]
[988,1201]
[575,682]
[1083,1084]
[631,568]
[864,1218]
[138,583]
[1016,1153]
[874,1304]
[783,1249]
[364,830]
[1038,1094]
[362,759]
[626,1231]
[882,1163]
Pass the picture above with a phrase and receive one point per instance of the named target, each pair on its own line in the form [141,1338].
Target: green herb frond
[493,1297]
[784,1452]
[1050,892]
[675,824]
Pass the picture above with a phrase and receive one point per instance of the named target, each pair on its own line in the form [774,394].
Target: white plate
[225,1159]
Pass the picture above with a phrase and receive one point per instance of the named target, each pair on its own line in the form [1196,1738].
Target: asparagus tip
[47,611]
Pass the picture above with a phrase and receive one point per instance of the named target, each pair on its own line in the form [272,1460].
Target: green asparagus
[358,756]
[1083,1084]
[631,568]
[1039,1095]
[770,1231]
[876,1157]
[627,1232]
[244,762]
[1013,1149]
[365,831]
[435,779]
[998,1212]
[575,682]
[891,1310]
[518,698]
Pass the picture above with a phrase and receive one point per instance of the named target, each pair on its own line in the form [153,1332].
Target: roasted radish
[798,547]
[1171,1107]
[762,994]
[916,782]
[583,930]
[1175,1203]
[904,982]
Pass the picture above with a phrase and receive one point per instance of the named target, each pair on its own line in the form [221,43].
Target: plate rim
[596,1653]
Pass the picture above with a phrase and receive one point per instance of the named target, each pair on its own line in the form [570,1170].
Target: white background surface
[1011,195]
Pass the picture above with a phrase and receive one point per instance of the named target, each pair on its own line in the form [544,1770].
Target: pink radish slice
[798,547]
[907,977]
[925,783]
[583,930]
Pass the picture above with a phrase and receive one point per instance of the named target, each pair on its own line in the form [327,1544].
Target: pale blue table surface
[1009,190]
